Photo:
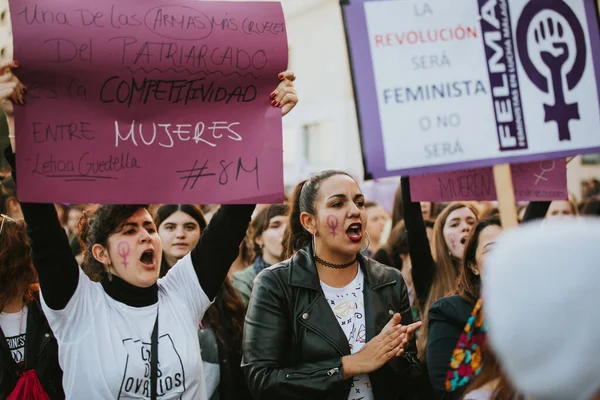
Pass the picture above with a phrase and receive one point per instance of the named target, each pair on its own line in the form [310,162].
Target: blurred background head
[541,296]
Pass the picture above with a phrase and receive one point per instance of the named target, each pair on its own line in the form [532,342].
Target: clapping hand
[391,342]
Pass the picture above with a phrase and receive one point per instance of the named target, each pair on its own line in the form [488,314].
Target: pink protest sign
[147,102]
[535,181]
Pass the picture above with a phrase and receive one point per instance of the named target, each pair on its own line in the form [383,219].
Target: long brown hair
[16,268]
[446,270]
[398,211]
[468,286]
[226,316]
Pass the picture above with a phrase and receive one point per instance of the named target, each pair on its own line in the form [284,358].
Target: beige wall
[5,31]
[319,57]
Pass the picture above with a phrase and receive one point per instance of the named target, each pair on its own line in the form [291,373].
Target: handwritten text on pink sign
[535,181]
[142,102]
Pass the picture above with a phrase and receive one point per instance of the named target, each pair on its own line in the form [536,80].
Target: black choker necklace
[336,266]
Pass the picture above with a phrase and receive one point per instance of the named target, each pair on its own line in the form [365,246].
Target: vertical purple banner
[502,67]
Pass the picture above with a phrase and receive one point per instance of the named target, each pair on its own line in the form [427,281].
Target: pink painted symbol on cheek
[332,223]
[453,241]
[123,249]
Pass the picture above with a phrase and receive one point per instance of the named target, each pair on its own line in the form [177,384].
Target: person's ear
[474,269]
[309,222]
[101,255]
[259,241]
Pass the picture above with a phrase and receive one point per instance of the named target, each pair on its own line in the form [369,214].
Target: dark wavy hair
[96,227]
[16,267]
[303,200]
[468,284]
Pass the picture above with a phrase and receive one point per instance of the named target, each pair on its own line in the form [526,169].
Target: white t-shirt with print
[14,327]
[104,345]
[348,305]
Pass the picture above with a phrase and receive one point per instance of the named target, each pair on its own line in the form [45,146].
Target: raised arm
[267,347]
[58,272]
[57,269]
[423,266]
[219,245]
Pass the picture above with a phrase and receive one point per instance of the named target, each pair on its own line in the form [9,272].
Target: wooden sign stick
[506,196]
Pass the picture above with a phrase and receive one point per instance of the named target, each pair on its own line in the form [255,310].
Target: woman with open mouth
[329,323]
[133,335]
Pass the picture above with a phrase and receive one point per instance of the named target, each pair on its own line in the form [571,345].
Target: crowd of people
[328,296]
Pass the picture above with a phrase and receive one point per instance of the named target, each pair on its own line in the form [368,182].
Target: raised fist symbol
[549,36]
[550,32]
[554,51]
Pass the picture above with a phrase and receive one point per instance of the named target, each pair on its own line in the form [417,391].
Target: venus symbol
[332,223]
[124,251]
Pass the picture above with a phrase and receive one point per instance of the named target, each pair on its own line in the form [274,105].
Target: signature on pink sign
[535,181]
[143,102]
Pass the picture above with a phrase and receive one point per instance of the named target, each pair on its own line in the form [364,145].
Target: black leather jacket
[41,354]
[293,344]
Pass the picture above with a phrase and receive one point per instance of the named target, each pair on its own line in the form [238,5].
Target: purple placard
[537,181]
[147,102]
[368,108]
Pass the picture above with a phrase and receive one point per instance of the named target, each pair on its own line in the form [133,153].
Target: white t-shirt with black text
[14,327]
[104,345]
[348,306]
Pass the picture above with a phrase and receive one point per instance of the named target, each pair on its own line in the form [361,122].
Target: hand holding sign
[11,89]
[285,95]
[122,97]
